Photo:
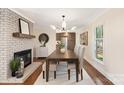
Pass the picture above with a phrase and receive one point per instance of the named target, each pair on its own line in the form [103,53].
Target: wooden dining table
[57,56]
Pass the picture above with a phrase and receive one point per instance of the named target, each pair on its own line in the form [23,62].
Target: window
[99,43]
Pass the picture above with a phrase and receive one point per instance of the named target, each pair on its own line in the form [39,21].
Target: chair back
[81,55]
[76,49]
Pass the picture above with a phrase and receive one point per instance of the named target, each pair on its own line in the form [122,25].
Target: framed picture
[24,27]
[84,38]
[43,39]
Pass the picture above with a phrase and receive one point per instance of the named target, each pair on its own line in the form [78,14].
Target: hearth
[25,55]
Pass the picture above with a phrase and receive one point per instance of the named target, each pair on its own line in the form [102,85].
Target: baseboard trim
[96,75]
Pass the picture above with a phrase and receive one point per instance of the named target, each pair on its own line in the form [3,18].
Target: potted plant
[14,65]
[61,46]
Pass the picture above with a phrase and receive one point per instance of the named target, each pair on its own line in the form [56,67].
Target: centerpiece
[61,46]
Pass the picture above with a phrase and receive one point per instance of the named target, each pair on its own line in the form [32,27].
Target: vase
[13,73]
[20,69]
[62,50]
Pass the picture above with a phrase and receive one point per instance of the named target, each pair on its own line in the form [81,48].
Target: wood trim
[20,35]
[95,74]
[31,80]
[39,59]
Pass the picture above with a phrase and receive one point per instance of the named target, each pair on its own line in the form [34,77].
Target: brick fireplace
[8,44]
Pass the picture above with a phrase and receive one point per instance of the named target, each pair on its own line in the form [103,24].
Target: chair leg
[43,74]
[81,74]
[54,74]
[68,74]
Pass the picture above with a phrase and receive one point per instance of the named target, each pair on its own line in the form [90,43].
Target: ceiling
[44,17]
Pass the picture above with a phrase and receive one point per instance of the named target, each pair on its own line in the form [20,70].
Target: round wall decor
[43,39]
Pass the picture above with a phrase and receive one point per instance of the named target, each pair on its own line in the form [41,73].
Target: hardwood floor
[62,77]
[96,75]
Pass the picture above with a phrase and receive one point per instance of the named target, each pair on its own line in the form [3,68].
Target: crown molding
[14,10]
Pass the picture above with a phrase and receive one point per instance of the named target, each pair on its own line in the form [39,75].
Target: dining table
[67,56]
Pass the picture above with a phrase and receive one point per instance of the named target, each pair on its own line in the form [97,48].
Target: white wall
[52,39]
[113,22]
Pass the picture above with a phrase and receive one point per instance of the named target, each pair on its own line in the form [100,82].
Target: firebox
[25,55]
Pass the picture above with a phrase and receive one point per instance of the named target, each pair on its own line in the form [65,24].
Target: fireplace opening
[25,55]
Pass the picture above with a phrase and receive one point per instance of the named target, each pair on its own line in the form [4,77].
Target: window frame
[95,41]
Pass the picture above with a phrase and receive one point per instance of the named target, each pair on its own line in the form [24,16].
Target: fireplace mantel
[20,35]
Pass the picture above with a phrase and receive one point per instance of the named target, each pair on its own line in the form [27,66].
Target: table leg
[47,70]
[77,70]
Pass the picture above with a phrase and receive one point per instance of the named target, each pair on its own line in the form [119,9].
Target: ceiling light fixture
[64,26]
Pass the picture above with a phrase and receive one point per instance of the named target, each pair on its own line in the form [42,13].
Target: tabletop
[68,55]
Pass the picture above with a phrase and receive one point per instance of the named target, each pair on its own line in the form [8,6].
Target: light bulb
[53,27]
[63,24]
[73,28]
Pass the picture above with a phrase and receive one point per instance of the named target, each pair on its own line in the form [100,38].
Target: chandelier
[63,26]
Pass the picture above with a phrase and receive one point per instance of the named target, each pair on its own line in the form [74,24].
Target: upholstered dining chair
[80,53]
[81,59]
[76,49]
[71,65]
[52,67]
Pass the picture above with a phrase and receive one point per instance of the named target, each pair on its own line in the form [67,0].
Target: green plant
[62,45]
[14,65]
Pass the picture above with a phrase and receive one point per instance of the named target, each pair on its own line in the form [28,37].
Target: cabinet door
[71,41]
[41,52]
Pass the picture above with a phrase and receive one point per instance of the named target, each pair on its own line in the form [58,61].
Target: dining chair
[71,65]
[81,59]
[76,49]
[52,67]
[80,53]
